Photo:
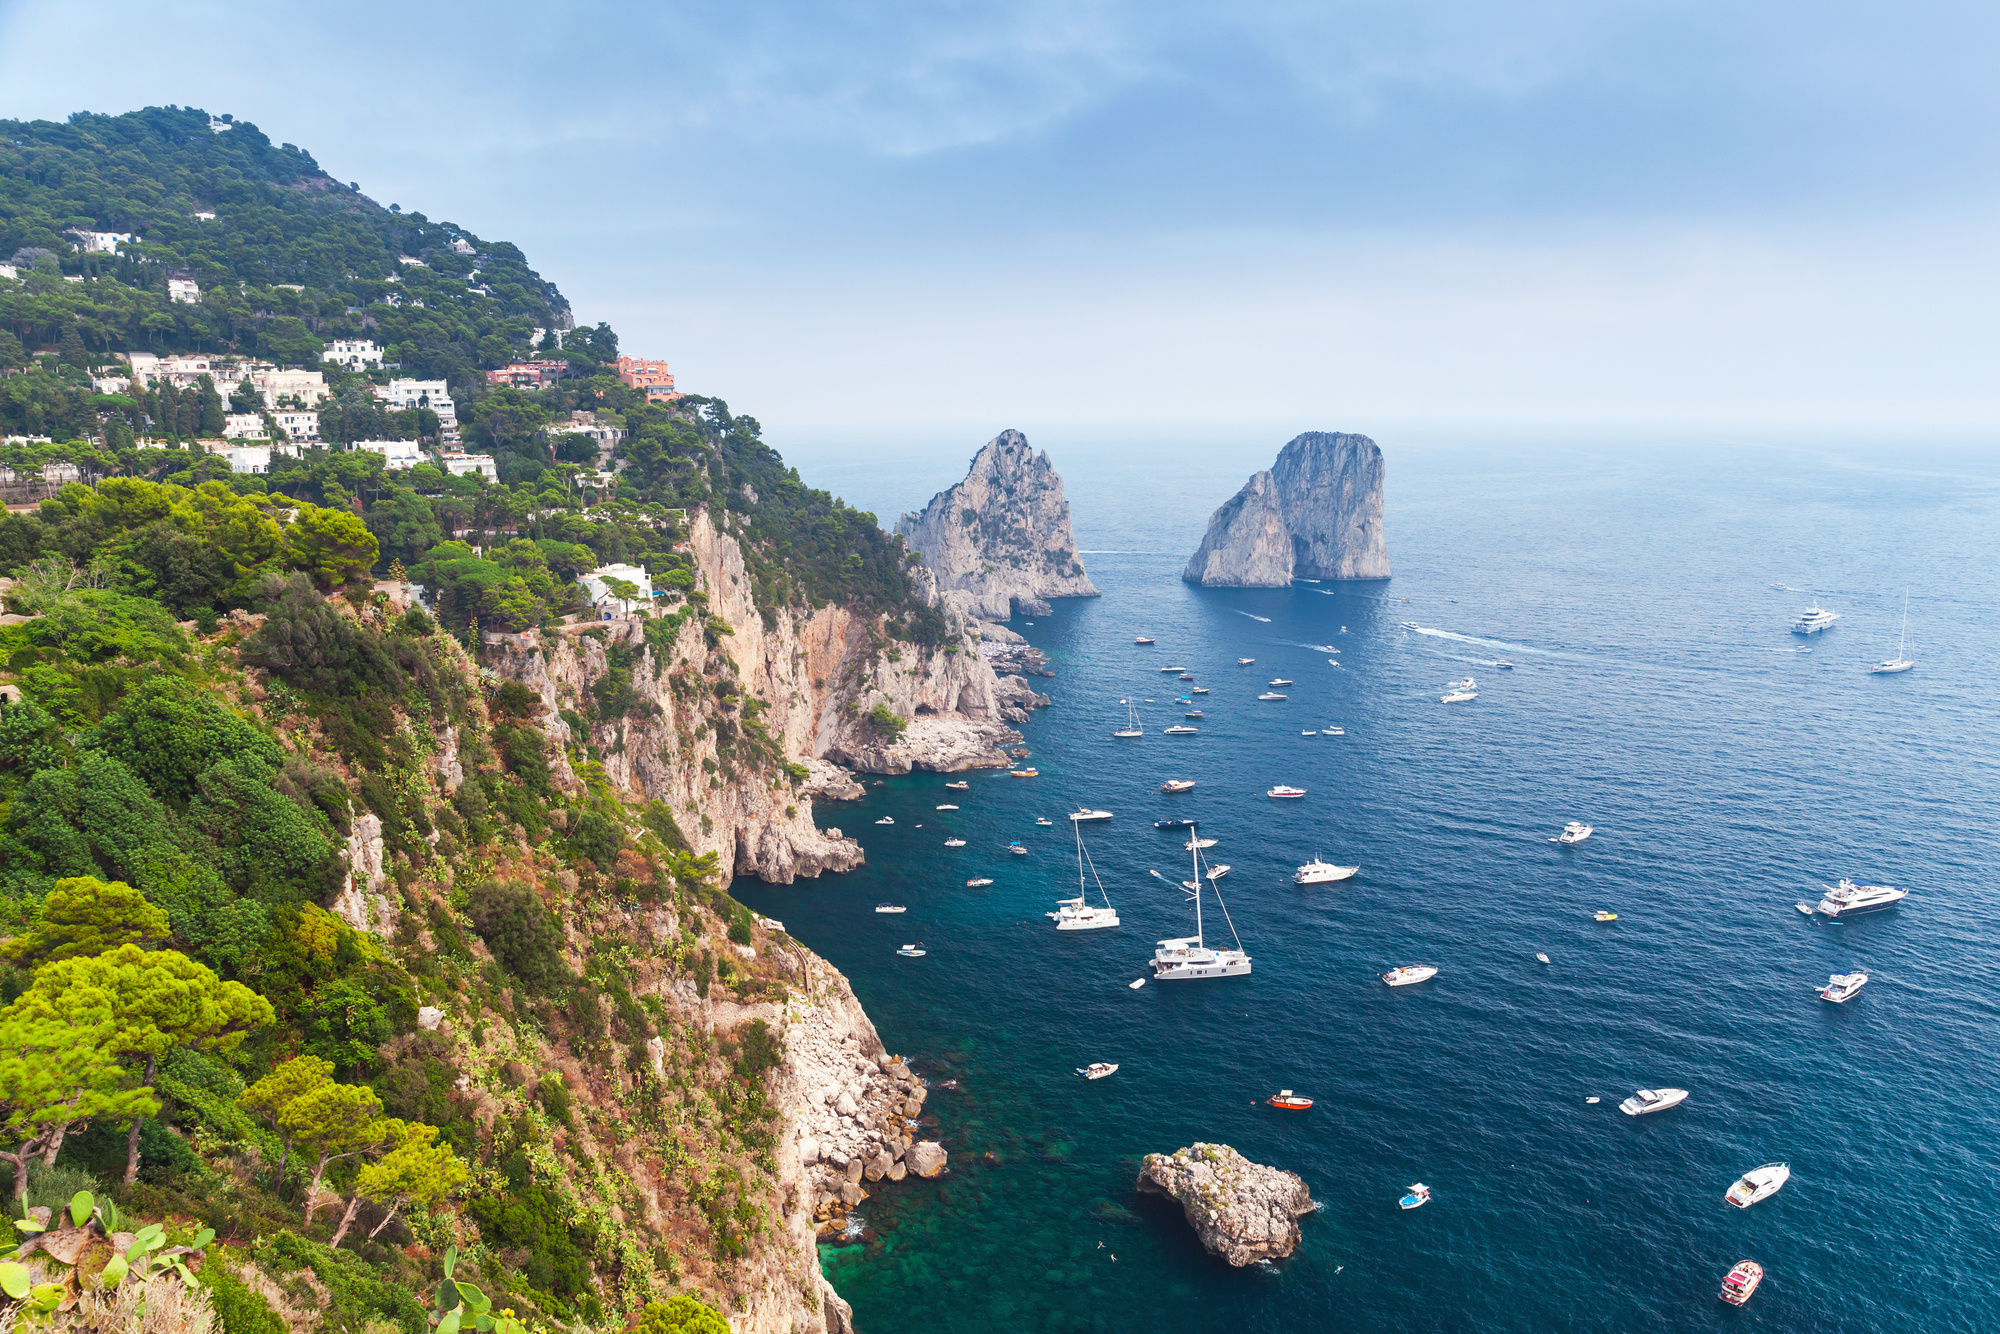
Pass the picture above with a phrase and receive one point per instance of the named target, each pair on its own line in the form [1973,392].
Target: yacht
[1131,727]
[1269,695]
[1244,662]
[1016,848]
[1097,1069]
[1409,975]
[1574,832]
[1198,842]
[1741,1280]
[1334,731]
[1841,987]
[1190,956]
[954,842]
[1902,662]
[978,882]
[890,907]
[1277,681]
[1219,870]
[1418,1196]
[1458,697]
[1848,899]
[1143,639]
[947,807]
[1652,1100]
[1317,872]
[1082,813]
[1180,729]
[1178,785]
[1759,1183]
[1813,620]
[1502,662]
[1077,914]
[1289,792]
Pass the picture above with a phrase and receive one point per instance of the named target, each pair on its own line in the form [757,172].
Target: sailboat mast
[1194,855]
[1904,636]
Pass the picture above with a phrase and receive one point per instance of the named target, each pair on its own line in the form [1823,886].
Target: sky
[883,220]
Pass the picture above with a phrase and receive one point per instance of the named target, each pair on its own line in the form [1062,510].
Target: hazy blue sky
[1100,215]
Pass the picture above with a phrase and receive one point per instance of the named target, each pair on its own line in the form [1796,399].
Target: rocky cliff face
[1000,541]
[1315,514]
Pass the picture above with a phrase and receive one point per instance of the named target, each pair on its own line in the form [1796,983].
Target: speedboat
[1541,958]
[1334,731]
[1269,695]
[1646,1101]
[1418,1196]
[890,907]
[1759,1183]
[1409,974]
[1024,773]
[1219,870]
[1805,908]
[1143,639]
[1044,820]
[1194,843]
[1741,1281]
[1097,1070]
[1278,681]
[1333,662]
[1574,832]
[1813,620]
[947,807]
[1198,690]
[1502,662]
[1458,697]
[1286,792]
[1194,713]
[1178,785]
[1136,983]
[1309,733]
[887,819]
[1604,916]
[912,951]
[1287,1101]
[1180,729]
[1463,683]
[960,786]
[1317,872]
[954,842]
[978,882]
[1174,824]
[1082,813]
[1173,671]
[1244,662]
[1848,899]
[1841,987]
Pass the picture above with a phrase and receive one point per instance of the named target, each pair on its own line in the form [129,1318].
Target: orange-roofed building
[528,374]
[650,376]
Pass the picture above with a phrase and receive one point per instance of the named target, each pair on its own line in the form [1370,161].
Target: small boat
[1759,1183]
[1187,676]
[1024,773]
[947,807]
[1502,662]
[1541,958]
[1282,791]
[1199,690]
[1178,785]
[1317,872]
[887,819]
[1334,731]
[913,951]
[954,842]
[1287,1101]
[1841,987]
[1017,849]
[1419,1195]
[1741,1281]
[978,882]
[1044,820]
[1244,662]
[1278,681]
[1458,697]
[1183,699]
[1409,974]
[1647,1101]
[1309,734]
[1180,729]
[1593,1101]
[1463,683]
[960,786]
[890,907]
[1097,1070]
[1574,832]
[1172,671]
[1083,813]
[1194,713]
[1136,983]
[1333,662]
[1174,824]
[1269,695]
[1607,916]
[1219,870]
[1143,639]
[1194,843]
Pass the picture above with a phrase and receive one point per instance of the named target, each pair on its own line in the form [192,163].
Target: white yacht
[1574,832]
[1652,1100]
[887,819]
[954,842]
[1841,987]
[1409,975]
[1131,727]
[1902,662]
[1244,662]
[1077,914]
[1098,1069]
[1317,872]
[1281,791]
[1759,1183]
[947,807]
[1279,681]
[1194,843]
[1463,683]
[1813,620]
[1178,785]
[1180,729]
[1848,899]
[1219,870]
[1083,813]
[1270,695]
[1190,956]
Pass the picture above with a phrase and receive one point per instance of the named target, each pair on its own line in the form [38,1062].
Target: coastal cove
[1656,695]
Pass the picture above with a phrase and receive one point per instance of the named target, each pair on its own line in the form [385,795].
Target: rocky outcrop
[1315,514]
[1242,1211]
[999,542]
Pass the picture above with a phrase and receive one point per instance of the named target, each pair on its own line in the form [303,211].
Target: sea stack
[1314,514]
[1242,1211]
[1000,542]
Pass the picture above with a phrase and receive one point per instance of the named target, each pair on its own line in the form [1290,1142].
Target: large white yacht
[1813,620]
[1848,899]
[1574,832]
[1077,914]
[1190,956]
[1082,813]
[1841,987]
[1317,872]
[1652,1100]
[1759,1183]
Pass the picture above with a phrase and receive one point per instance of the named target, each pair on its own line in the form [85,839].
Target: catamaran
[1901,662]
[1190,956]
[1076,914]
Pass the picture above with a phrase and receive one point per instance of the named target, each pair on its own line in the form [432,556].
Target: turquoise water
[1657,697]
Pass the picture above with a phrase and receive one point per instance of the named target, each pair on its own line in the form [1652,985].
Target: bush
[240,1310]
[885,723]
[678,1315]
[311,646]
[522,933]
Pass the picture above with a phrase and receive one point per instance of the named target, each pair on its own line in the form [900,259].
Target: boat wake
[1255,617]
[1453,635]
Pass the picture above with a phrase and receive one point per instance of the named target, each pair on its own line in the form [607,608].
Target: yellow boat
[1607,917]
[1022,773]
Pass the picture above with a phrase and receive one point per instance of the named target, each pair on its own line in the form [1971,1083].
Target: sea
[1642,590]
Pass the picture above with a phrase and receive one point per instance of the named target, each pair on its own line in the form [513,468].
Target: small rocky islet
[1242,1211]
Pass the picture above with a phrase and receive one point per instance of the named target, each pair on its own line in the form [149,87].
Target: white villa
[357,354]
[458,464]
[397,455]
[610,606]
[432,394]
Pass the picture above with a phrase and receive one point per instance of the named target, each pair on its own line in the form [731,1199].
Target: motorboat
[1219,870]
[1187,676]
[960,786]
[1136,983]
[1017,849]
[1082,813]
[1317,872]
[1309,733]
[1848,899]
[1502,662]
[1269,695]
[1463,683]
[1077,914]
[913,951]
[1333,662]
[1174,824]
[1541,958]
[1178,785]
[954,842]
[890,907]
[1244,662]
[1277,681]
[1143,639]
[1603,916]
[1173,671]
[1417,1197]
[1574,832]
[1044,820]
[1741,1280]
[887,819]
[1409,975]
[1759,1183]
[1131,727]
[1647,1101]
[1813,620]
[1024,773]
[1180,729]
[1458,697]
[1097,1069]
[947,807]
[1287,1101]
[1191,957]
[1283,792]
[1198,690]
[1194,713]
[1333,731]
[978,882]
[1902,662]
[1805,908]
[1841,987]
[1194,843]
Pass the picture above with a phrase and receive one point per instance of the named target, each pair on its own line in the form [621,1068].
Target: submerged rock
[1242,1211]
[1315,514]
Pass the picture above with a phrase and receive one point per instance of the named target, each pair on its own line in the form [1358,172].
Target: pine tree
[70,351]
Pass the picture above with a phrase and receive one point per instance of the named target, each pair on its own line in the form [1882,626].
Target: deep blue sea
[1658,696]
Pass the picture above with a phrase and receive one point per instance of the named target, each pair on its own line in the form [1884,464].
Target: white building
[432,394]
[597,587]
[184,290]
[254,459]
[298,424]
[111,384]
[205,215]
[9,271]
[308,387]
[397,455]
[459,464]
[243,426]
[463,246]
[185,372]
[100,243]
[357,354]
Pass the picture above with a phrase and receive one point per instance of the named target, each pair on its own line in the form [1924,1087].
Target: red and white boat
[1288,1101]
[1282,791]
[1740,1282]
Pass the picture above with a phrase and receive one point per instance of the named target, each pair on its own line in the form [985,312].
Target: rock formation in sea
[1000,541]
[1242,1211]
[1314,514]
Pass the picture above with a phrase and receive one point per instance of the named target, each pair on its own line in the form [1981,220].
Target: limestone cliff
[1315,514]
[1000,542]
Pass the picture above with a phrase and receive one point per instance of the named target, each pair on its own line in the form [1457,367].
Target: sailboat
[1899,663]
[1076,914]
[1190,956]
[1131,727]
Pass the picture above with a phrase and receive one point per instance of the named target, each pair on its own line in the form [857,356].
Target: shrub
[522,933]
[680,1314]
